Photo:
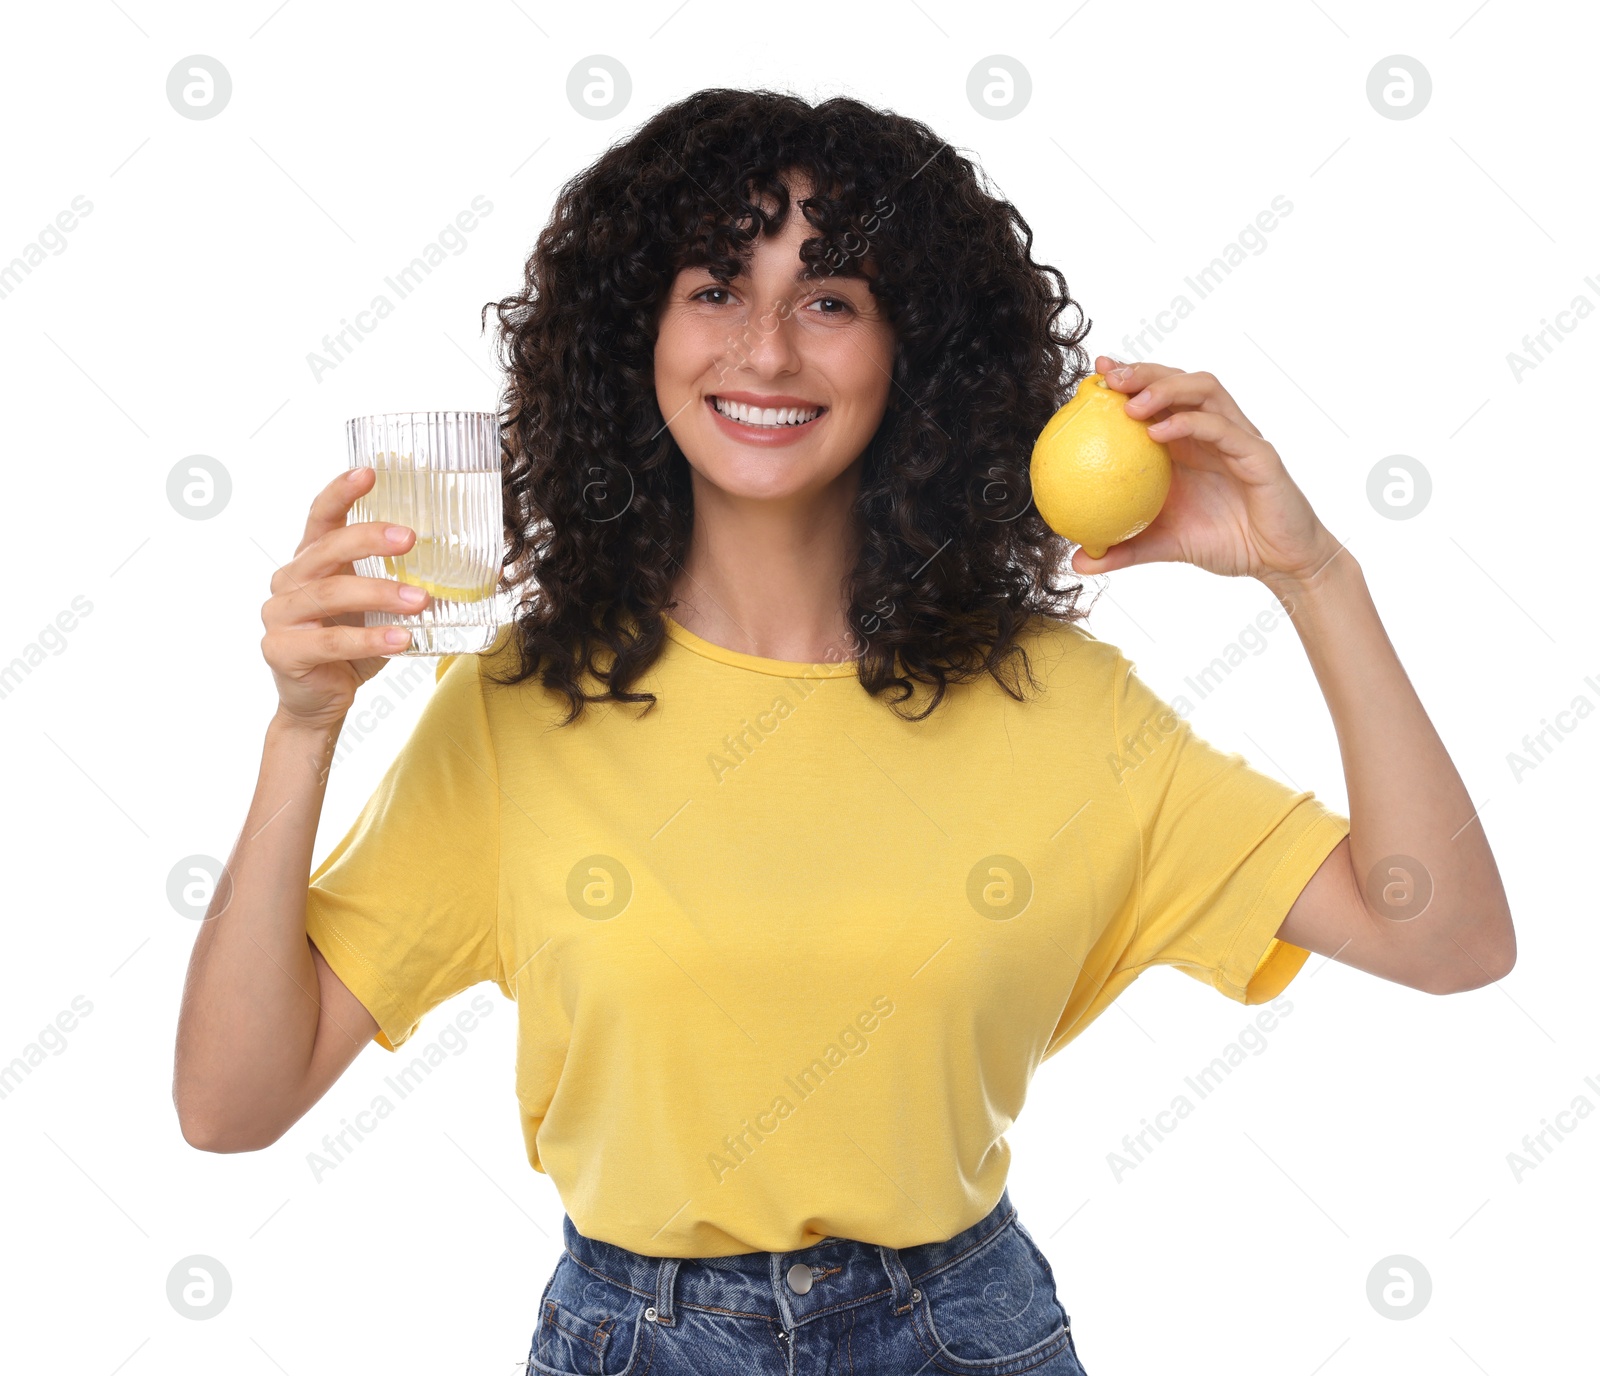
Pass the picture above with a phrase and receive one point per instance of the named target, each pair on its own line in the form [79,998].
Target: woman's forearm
[250,1005]
[1418,849]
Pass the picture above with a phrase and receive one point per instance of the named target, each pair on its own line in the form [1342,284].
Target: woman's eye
[838,303]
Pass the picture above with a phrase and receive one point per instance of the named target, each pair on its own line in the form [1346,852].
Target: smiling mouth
[766,418]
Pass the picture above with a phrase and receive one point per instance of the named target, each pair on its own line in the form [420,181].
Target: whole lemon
[1098,478]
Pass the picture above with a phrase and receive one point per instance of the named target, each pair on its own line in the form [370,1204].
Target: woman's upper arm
[1332,918]
[344,1027]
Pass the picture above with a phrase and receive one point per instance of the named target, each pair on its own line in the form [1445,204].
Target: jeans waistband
[836,1273]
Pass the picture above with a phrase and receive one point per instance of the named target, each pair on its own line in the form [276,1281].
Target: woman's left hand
[1233,508]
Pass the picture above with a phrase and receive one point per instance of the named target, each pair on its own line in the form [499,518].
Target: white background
[1378,321]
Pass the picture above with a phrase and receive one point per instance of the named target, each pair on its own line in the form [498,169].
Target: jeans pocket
[994,1311]
[586,1326]
[1072,1347]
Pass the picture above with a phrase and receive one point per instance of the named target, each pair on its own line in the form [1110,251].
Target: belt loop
[666,1278]
[899,1278]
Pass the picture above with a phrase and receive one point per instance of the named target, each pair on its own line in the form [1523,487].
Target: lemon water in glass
[437,472]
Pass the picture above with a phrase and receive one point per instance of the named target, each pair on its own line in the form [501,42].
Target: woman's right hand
[316,644]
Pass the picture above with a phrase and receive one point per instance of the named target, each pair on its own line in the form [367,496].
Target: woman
[797,810]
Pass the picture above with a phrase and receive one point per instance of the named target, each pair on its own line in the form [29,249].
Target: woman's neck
[767,578]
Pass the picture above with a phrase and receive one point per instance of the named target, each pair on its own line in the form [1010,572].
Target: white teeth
[751,415]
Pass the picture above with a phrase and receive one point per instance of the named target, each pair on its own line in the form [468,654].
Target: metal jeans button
[799,1278]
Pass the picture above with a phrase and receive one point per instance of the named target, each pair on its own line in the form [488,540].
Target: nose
[768,345]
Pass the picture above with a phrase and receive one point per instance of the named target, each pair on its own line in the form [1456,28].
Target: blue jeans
[982,1303]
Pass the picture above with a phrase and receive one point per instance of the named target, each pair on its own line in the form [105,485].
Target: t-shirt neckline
[783,668]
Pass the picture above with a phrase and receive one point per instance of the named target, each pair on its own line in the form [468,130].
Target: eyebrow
[801,274]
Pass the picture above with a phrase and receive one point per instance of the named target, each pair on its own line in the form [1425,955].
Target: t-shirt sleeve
[405,909]
[1225,850]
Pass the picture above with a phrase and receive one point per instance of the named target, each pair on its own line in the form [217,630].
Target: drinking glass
[438,472]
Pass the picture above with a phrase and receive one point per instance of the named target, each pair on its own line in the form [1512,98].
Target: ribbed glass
[438,472]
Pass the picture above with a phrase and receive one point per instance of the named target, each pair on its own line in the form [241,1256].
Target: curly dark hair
[954,559]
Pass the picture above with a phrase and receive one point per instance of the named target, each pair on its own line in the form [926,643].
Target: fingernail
[397,636]
[397,533]
[414,595]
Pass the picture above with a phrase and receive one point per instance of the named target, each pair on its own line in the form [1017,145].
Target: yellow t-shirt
[784,962]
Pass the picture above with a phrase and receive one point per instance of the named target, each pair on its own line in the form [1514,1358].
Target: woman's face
[815,351]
